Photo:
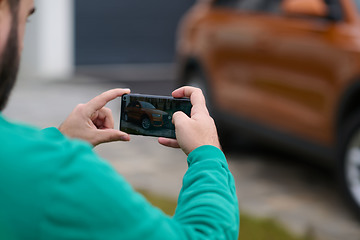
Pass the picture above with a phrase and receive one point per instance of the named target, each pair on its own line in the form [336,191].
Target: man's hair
[9,59]
[14,5]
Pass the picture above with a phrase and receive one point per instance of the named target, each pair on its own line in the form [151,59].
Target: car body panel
[288,73]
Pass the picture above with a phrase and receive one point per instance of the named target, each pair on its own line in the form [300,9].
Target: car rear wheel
[350,163]
[145,123]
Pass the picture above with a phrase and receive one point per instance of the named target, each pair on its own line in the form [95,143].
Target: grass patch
[251,228]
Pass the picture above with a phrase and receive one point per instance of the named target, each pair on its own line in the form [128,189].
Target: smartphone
[151,115]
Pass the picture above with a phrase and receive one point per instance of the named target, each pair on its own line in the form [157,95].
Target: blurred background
[74,50]
[108,41]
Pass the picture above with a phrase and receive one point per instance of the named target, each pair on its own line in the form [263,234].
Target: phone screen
[150,115]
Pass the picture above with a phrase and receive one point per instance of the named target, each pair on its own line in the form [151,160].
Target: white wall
[49,41]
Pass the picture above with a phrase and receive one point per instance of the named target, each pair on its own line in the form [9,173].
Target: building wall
[65,35]
[49,41]
[126,31]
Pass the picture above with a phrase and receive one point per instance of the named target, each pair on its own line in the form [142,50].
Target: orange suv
[145,113]
[287,71]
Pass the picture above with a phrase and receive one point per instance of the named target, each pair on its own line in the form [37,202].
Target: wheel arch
[349,104]
[145,115]
[194,65]
[190,64]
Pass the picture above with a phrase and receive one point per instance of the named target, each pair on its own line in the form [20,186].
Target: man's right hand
[196,131]
[93,122]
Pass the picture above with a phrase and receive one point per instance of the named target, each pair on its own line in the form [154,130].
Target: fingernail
[125,138]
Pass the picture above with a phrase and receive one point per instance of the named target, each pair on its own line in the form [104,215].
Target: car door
[235,53]
[303,61]
[133,110]
[281,70]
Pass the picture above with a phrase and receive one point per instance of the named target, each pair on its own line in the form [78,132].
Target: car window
[147,105]
[251,5]
[357,3]
[131,104]
[334,12]
[225,3]
[270,6]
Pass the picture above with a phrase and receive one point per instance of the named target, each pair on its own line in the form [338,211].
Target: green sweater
[55,188]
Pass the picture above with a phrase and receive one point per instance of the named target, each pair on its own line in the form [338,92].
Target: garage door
[126,31]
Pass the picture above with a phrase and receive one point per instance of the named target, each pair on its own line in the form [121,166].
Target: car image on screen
[145,114]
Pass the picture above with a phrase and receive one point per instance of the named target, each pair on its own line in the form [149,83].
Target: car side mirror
[313,8]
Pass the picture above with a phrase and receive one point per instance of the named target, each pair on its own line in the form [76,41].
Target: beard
[9,64]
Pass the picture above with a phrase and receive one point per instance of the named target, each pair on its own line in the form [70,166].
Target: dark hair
[14,5]
[9,62]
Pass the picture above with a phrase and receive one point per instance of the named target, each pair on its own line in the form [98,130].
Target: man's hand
[196,131]
[93,122]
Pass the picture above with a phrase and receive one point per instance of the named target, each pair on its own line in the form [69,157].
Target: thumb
[179,117]
[110,135]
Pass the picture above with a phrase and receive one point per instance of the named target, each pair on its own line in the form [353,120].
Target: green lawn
[251,228]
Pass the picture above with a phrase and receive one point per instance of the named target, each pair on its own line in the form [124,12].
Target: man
[53,186]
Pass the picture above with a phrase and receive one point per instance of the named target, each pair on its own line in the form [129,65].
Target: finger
[109,120]
[168,142]
[195,94]
[105,118]
[179,117]
[111,135]
[101,100]
[196,97]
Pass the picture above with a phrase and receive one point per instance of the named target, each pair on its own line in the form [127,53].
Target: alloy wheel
[145,123]
[352,166]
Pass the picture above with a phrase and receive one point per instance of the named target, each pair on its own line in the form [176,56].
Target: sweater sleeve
[207,205]
[87,199]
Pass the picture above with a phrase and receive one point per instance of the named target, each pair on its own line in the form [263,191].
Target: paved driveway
[300,195]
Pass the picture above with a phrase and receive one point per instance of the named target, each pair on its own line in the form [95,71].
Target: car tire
[349,170]
[145,123]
